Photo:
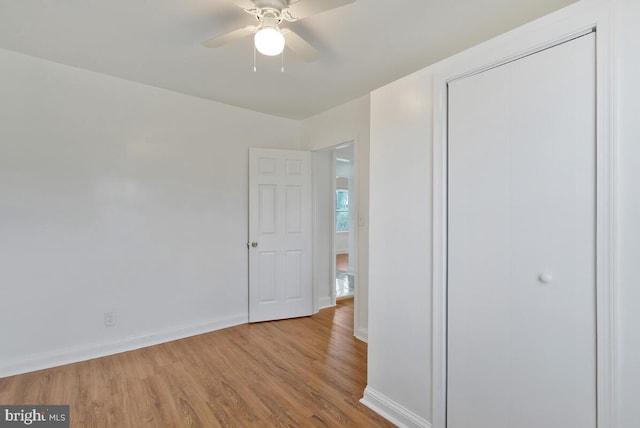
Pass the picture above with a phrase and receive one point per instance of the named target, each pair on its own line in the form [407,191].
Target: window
[342,210]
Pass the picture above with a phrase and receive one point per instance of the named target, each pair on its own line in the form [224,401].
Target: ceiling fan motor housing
[269,18]
[277,5]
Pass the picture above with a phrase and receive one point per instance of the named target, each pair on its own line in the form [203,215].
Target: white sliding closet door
[521,349]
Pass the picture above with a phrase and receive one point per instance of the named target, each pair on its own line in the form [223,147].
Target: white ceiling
[363,45]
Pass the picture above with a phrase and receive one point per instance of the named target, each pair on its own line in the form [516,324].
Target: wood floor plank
[307,372]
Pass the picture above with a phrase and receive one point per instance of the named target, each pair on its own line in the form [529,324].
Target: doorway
[344,224]
[521,244]
[335,234]
[514,46]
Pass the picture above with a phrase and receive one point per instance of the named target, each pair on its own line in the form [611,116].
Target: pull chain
[255,68]
[254,58]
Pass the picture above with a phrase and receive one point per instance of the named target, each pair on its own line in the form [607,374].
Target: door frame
[353,204]
[566,24]
[356,213]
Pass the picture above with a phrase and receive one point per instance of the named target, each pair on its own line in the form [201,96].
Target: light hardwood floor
[295,373]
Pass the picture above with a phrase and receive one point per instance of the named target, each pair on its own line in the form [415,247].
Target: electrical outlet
[109,319]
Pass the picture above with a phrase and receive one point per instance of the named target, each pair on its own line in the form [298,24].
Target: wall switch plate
[109,319]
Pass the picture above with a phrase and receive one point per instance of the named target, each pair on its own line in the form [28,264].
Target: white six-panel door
[280,203]
[521,343]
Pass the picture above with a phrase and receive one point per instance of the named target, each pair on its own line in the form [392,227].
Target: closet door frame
[568,23]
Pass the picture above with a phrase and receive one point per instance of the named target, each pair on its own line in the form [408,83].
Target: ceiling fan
[269,38]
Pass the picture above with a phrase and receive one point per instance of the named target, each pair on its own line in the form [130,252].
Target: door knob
[254,244]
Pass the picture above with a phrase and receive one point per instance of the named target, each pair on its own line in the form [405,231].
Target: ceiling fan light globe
[269,41]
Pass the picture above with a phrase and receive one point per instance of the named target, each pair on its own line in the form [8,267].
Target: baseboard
[362,334]
[325,302]
[392,411]
[45,360]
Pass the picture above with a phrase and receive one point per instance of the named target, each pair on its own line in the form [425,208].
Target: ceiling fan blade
[244,4]
[300,46]
[238,34]
[303,8]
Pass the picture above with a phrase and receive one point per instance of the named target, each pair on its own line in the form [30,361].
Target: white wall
[342,124]
[116,196]
[342,242]
[399,372]
[628,49]
[399,363]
